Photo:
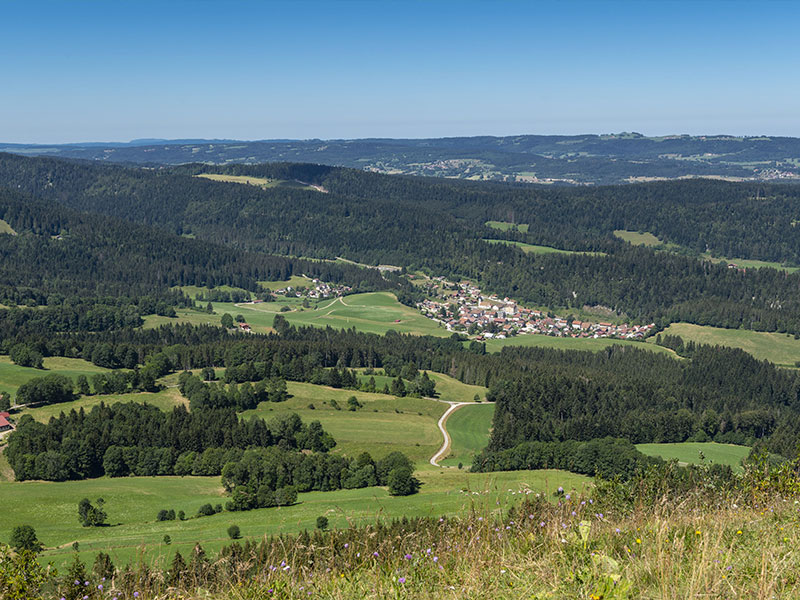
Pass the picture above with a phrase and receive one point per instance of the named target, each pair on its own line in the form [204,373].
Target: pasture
[165,400]
[746,263]
[373,312]
[779,348]
[294,281]
[194,290]
[469,428]
[648,239]
[261,182]
[690,453]
[638,238]
[532,248]
[12,376]
[546,341]
[382,425]
[505,226]
[132,504]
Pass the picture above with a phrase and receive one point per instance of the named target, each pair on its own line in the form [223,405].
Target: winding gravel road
[446,445]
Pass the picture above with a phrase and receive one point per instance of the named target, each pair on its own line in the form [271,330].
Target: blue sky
[117,70]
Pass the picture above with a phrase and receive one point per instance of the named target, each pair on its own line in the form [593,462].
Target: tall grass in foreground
[623,541]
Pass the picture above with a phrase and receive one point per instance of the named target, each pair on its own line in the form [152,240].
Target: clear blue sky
[118,70]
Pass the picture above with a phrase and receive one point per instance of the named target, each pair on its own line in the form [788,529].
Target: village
[467,309]
[319,291]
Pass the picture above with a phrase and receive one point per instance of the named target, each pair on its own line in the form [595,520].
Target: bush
[205,511]
[322,523]
[234,533]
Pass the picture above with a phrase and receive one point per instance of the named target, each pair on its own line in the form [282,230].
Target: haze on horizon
[88,71]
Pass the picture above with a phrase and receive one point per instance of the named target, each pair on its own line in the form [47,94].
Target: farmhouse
[4,424]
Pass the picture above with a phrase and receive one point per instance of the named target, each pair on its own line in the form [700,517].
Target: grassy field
[384,423]
[294,281]
[448,388]
[12,376]
[534,249]
[750,264]
[648,239]
[375,312]
[779,348]
[546,341]
[165,400]
[261,182]
[638,239]
[689,453]
[133,502]
[505,226]
[193,290]
[469,432]
[6,228]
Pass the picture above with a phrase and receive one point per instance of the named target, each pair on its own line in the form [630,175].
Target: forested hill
[58,250]
[440,225]
[599,159]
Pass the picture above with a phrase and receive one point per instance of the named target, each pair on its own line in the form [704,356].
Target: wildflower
[541,524]
[100,587]
[346,545]
[739,532]
[408,557]
[697,532]
[401,580]
[638,540]
[375,554]
[567,496]
[435,559]
[617,530]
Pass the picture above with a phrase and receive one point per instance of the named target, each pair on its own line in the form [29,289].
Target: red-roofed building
[4,424]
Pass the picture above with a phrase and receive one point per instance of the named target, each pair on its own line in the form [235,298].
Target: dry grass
[569,550]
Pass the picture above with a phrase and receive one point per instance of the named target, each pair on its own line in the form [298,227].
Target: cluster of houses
[317,289]
[487,317]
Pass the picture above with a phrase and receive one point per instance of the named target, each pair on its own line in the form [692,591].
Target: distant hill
[566,160]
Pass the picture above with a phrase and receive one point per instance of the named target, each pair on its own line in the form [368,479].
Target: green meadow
[746,263]
[690,453]
[638,238]
[165,400]
[505,226]
[469,428]
[648,239]
[534,249]
[546,341]
[294,281]
[382,425]
[12,376]
[779,348]
[261,182]
[132,504]
[372,312]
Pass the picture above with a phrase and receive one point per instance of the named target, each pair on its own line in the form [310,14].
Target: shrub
[234,533]
[322,523]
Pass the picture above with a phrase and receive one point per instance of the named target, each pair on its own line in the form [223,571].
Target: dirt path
[442,453]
